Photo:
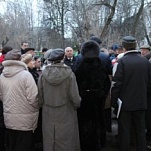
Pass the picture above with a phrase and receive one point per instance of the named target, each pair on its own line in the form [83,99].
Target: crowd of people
[62,102]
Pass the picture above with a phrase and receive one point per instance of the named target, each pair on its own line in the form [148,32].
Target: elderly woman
[30,62]
[59,99]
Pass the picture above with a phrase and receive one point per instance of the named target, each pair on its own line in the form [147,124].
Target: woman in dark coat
[94,85]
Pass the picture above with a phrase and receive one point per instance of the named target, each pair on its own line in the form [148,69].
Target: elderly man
[145,50]
[69,59]
[132,81]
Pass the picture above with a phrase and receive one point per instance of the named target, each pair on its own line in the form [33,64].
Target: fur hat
[56,54]
[26,58]
[129,43]
[13,55]
[96,39]
[90,49]
[6,49]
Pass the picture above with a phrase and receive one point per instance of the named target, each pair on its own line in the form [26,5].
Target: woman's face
[31,64]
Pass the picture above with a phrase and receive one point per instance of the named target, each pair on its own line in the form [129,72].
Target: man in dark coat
[69,59]
[24,45]
[94,85]
[131,83]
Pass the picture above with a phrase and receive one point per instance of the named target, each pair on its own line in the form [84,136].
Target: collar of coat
[14,62]
[131,51]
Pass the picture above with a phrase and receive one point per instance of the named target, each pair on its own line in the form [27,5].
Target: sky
[3,5]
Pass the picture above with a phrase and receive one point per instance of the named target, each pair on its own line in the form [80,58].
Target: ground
[112,142]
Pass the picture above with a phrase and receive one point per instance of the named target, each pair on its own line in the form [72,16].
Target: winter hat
[29,49]
[145,47]
[114,47]
[129,43]
[6,49]
[90,49]
[96,39]
[13,55]
[26,58]
[56,54]
[47,53]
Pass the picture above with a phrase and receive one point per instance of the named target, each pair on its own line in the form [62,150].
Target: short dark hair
[28,49]
[23,42]
[44,49]
[36,57]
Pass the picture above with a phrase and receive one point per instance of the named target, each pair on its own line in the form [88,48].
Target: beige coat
[60,99]
[18,93]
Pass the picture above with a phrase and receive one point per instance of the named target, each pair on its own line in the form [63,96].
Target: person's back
[20,104]
[132,78]
[94,84]
[104,59]
[59,99]
[5,50]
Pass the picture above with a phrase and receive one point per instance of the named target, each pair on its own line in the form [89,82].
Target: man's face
[24,45]
[144,51]
[38,63]
[69,52]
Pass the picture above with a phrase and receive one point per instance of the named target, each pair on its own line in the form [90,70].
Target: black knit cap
[129,43]
[56,55]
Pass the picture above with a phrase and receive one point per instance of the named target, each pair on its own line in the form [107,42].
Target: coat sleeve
[117,83]
[32,92]
[74,92]
[40,91]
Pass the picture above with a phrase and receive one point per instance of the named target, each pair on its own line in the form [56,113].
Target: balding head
[69,52]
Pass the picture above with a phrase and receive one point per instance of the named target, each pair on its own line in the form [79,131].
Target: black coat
[106,62]
[148,112]
[132,80]
[34,74]
[70,62]
[94,85]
